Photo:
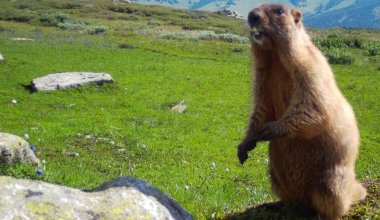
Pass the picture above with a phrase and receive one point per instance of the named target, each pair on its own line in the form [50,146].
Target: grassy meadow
[158,57]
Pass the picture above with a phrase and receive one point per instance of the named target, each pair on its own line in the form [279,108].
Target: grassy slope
[168,150]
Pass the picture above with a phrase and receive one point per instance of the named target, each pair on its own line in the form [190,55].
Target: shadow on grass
[367,209]
[271,211]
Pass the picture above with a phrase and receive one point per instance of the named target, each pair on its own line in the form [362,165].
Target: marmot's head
[273,24]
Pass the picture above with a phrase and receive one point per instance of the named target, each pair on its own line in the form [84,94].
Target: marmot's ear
[296,15]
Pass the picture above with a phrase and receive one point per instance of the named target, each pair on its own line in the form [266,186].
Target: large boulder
[14,149]
[69,80]
[121,198]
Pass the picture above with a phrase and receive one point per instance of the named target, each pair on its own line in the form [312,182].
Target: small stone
[121,150]
[22,39]
[74,154]
[180,107]
[213,165]
[14,101]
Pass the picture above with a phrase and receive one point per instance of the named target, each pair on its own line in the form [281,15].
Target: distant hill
[317,13]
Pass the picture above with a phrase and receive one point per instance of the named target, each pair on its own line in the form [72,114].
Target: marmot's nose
[254,17]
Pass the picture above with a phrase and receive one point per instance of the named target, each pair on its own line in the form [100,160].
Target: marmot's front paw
[243,148]
[269,131]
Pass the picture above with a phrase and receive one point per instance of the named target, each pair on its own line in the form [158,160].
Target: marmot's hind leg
[333,199]
[358,192]
[330,206]
[278,189]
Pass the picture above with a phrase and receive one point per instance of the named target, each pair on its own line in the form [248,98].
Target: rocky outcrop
[230,13]
[121,1]
[14,149]
[121,198]
[61,81]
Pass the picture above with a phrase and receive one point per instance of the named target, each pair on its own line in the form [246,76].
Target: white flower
[187,187]
[266,161]
[26,136]
[228,169]
[213,215]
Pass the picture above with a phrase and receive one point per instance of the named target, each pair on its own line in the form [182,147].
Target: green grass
[189,156]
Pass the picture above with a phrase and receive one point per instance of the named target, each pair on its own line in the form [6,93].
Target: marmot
[311,128]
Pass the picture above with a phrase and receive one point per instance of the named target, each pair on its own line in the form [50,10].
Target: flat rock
[22,39]
[61,81]
[121,198]
[180,107]
[14,149]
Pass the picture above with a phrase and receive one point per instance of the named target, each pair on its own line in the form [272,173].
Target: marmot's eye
[279,11]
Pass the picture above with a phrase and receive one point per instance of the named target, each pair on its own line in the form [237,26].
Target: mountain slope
[317,13]
[363,14]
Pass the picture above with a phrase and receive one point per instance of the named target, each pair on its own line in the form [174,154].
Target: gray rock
[22,39]
[230,13]
[121,1]
[180,107]
[14,149]
[69,80]
[121,198]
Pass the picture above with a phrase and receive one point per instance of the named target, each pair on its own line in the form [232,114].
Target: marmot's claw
[243,149]
[243,156]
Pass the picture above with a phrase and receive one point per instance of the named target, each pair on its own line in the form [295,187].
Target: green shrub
[233,38]
[339,56]
[207,35]
[353,42]
[329,42]
[335,42]
[15,15]
[373,51]
[54,19]
[126,46]
[72,26]
[96,30]
[153,22]
[189,27]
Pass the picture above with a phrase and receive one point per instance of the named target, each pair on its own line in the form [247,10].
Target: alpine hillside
[317,13]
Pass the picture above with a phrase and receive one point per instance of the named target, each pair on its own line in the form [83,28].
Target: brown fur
[311,128]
